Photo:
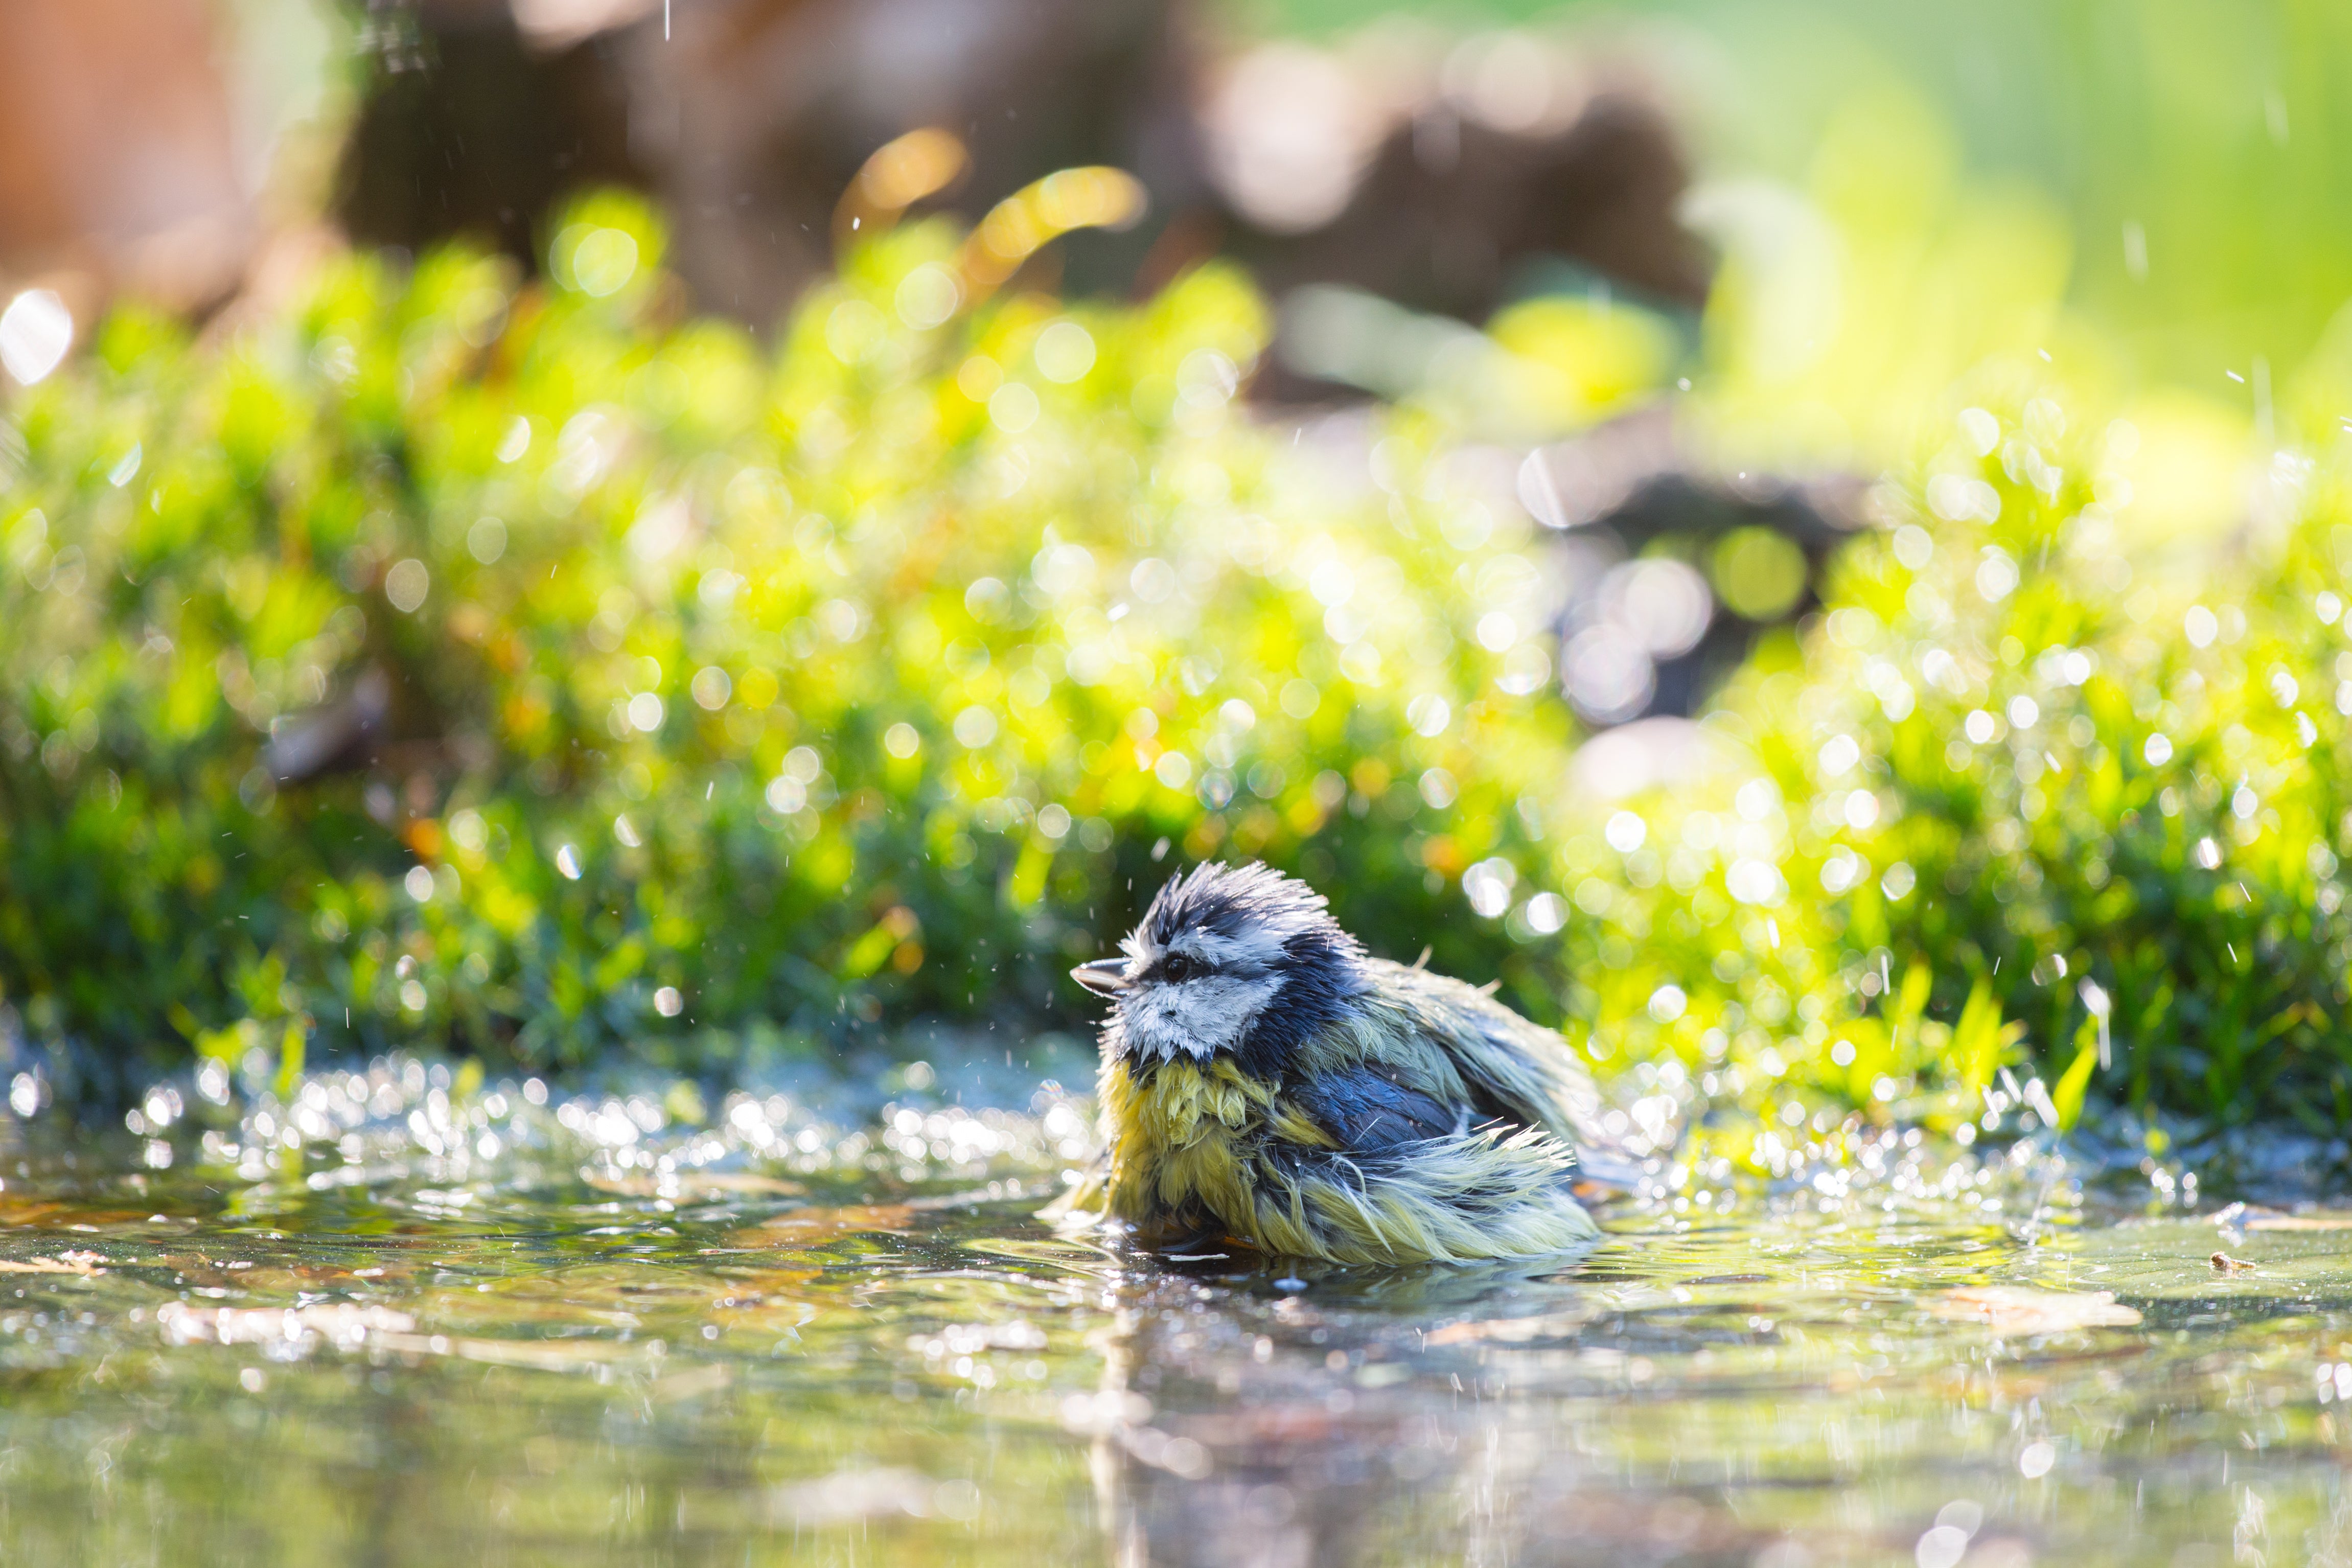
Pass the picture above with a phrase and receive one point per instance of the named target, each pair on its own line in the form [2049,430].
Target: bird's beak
[1104,976]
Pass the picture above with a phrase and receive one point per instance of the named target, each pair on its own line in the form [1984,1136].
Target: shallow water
[413,1330]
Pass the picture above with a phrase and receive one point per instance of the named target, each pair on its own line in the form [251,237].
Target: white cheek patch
[1198,1018]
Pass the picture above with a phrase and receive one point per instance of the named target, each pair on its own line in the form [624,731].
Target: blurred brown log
[748,118]
[117,157]
[751,117]
[475,125]
[1450,209]
[756,114]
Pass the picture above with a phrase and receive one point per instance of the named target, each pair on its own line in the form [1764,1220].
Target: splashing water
[397,1315]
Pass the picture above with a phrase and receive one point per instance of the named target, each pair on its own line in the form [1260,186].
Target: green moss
[733,697]
[820,689]
[2032,766]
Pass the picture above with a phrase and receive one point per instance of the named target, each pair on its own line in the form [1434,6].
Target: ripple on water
[430,1322]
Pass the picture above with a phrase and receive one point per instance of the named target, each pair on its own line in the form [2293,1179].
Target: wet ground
[391,1322]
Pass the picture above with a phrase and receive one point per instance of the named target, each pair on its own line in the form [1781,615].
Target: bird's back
[1513,1067]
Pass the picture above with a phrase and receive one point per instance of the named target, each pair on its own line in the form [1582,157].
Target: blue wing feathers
[1368,1113]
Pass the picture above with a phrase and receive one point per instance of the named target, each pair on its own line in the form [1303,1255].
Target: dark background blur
[1372,165]
[2189,151]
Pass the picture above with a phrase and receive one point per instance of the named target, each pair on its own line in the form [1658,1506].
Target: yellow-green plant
[2025,767]
[442,657]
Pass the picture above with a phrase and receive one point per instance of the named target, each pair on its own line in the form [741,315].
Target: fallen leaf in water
[83,1263]
[678,1183]
[2022,1310]
[805,1227]
[955,1200]
[756,1296]
[50,1215]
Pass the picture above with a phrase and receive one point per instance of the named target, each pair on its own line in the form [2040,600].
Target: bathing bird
[1266,1082]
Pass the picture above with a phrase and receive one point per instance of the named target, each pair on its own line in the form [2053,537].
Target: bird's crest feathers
[1249,917]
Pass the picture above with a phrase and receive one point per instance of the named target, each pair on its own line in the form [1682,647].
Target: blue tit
[1266,1082]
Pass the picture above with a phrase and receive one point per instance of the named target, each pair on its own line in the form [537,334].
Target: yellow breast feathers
[1206,1148]
[1183,1140]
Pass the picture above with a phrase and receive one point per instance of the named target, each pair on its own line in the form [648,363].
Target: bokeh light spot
[1760,574]
[603,261]
[36,330]
[1064,352]
[406,585]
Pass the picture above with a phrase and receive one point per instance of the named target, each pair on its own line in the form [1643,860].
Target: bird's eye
[1175,967]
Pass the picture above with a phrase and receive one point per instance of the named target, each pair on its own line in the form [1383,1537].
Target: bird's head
[1246,961]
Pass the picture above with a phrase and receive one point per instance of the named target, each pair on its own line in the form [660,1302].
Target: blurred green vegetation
[738,702]
[742,704]
[2164,178]
[2026,767]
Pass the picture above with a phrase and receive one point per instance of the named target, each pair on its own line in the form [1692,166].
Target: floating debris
[83,1263]
[2022,1310]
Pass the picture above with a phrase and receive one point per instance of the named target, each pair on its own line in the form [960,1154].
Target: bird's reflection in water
[1251,1415]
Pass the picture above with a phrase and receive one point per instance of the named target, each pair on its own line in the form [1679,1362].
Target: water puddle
[422,1330]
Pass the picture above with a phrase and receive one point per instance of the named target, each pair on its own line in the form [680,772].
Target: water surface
[384,1324]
